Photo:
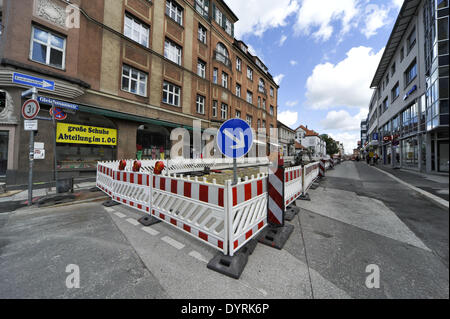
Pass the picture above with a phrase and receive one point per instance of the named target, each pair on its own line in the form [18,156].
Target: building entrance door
[4,141]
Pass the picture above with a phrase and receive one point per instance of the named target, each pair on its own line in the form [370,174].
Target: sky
[323,54]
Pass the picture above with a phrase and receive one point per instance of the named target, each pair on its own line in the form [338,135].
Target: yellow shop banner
[81,134]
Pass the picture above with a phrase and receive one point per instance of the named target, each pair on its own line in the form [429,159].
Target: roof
[299,146]
[284,126]
[404,18]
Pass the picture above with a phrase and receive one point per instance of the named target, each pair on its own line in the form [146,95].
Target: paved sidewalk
[435,184]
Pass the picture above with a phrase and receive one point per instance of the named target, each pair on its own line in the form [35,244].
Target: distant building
[286,138]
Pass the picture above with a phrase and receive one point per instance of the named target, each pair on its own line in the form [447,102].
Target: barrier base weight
[305,197]
[110,203]
[276,237]
[291,212]
[148,221]
[233,266]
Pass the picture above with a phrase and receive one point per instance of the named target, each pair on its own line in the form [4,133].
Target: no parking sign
[60,115]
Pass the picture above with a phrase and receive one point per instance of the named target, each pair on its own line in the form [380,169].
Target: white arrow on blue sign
[33,81]
[235,138]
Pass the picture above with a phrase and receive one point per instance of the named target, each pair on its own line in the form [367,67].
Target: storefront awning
[129,117]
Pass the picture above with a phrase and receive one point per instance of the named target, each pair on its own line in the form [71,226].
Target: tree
[332,145]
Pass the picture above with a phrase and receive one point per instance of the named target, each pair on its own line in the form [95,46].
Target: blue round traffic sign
[60,115]
[235,138]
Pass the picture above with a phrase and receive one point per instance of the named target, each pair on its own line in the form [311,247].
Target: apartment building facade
[135,69]
[286,138]
[408,112]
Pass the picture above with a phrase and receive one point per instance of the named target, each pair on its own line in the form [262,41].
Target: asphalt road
[357,217]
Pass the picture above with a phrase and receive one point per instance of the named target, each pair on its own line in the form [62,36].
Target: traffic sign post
[30,110]
[235,139]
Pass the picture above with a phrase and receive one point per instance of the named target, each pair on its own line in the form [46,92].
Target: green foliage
[332,145]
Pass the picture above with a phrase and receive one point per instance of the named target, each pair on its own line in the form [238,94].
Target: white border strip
[435,198]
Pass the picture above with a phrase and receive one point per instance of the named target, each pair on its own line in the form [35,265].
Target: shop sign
[81,134]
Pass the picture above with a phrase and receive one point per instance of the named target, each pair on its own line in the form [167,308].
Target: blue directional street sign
[235,138]
[33,81]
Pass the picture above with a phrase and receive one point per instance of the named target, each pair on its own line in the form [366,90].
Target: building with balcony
[138,68]
[409,110]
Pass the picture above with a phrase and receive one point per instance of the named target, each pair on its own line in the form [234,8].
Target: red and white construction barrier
[310,174]
[293,181]
[322,168]
[276,205]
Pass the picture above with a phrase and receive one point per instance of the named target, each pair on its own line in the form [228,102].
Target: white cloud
[316,17]
[291,103]
[278,78]
[256,16]
[398,3]
[343,121]
[288,118]
[349,140]
[293,62]
[376,17]
[282,40]
[346,83]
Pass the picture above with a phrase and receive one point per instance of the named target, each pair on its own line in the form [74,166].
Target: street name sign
[33,81]
[61,104]
[235,138]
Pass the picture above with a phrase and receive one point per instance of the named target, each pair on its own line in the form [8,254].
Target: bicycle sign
[30,109]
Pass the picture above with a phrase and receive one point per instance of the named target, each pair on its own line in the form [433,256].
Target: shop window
[48,48]
[153,142]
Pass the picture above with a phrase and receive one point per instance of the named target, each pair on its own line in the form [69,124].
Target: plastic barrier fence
[311,173]
[293,181]
[224,217]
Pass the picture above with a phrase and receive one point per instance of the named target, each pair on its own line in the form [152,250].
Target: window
[264,124]
[238,114]
[271,110]
[387,80]
[202,7]
[238,90]
[228,27]
[134,81]
[249,97]
[258,124]
[171,94]
[215,75]
[261,86]
[272,91]
[214,109]
[224,111]
[249,73]
[201,69]
[411,40]
[219,17]
[395,92]
[264,104]
[385,104]
[259,102]
[393,69]
[239,64]
[172,52]
[200,104]
[136,30]
[249,120]
[48,48]
[202,33]
[222,54]
[225,80]
[174,11]
[2,101]
[402,54]
[411,73]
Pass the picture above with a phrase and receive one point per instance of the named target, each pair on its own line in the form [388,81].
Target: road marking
[150,231]
[198,256]
[132,221]
[109,210]
[173,242]
[120,215]
[435,198]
